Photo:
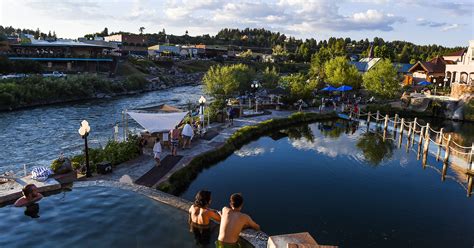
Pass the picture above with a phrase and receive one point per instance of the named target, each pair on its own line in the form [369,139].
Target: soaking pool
[345,186]
[95,217]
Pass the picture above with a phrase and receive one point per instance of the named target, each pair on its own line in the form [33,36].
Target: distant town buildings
[130,43]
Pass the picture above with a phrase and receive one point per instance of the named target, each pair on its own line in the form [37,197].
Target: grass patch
[192,66]
[181,179]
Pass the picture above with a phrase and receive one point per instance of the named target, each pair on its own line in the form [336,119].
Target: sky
[448,23]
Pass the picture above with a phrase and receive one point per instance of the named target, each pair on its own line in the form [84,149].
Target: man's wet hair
[28,189]
[236,200]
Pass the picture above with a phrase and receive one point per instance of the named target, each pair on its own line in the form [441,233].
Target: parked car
[56,74]
[9,76]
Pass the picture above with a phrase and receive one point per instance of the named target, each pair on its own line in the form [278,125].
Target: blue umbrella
[424,83]
[344,88]
[328,88]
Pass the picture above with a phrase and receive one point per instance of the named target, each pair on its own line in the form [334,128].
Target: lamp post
[445,82]
[255,85]
[202,102]
[84,132]
[436,86]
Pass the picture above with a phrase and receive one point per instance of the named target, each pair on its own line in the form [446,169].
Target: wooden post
[443,172]
[377,118]
[448,150]
[470,156]
[414,132]
[368,118]
[419,144]
[426,145]
[401,133]
[469,186]
[440,143]
[395,122]
[386,123]
[410,133]
[427,130]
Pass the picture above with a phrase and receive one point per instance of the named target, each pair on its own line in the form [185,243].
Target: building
[130,43]
[454,56]
[429,71]
[462,71]
[211,51]
[163,50]
[64,55]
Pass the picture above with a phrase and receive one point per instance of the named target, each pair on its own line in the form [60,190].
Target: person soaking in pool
[30,196]
[200,216]
[233,222]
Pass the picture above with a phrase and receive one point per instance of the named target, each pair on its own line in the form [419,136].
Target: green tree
[299,87]
[382,80]
[340,72]
[318,60]
[247,55]
[222,82]
[270,78]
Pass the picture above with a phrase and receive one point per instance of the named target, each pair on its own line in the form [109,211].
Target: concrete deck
[11,191]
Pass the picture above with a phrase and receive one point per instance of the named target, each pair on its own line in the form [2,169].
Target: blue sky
[449,23]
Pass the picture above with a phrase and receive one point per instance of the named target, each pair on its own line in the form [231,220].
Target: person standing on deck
[174,134]
[157,151]
[233,222]
[187,133]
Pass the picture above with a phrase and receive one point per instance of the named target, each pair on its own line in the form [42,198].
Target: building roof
[456,53]
[402,67]
[361,66]
[60,43]
[436,65]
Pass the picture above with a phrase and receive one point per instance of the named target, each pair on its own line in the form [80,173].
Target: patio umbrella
[344,88]
[424,83]
[328,88]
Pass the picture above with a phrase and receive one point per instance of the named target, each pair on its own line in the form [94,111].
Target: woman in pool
[200,216]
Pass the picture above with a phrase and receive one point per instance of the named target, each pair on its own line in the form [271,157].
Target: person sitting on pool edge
[30,195]
[200,216]
[233,222]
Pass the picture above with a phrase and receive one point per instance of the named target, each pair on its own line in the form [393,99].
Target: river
[37,136]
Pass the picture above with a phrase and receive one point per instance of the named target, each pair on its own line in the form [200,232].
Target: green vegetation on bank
[37,90]
[114,152]
[180,180]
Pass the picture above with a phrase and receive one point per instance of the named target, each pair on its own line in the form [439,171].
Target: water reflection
[374,148]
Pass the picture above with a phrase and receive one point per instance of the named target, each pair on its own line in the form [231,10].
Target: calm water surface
[347,189]
[96,217]
[37,136]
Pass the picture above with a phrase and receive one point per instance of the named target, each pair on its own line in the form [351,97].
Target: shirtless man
[233,222]
[30,195]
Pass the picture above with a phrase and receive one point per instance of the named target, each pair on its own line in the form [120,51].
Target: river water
[37,136]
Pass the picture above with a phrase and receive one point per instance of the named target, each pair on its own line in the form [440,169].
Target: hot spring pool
[96,217]
[346,187]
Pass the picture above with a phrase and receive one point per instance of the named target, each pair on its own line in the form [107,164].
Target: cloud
[69,9]
[451,27]
[443,25]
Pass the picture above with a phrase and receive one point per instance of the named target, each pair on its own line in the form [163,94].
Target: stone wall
[458,90]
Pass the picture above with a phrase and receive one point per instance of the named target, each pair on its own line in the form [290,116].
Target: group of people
[186,134]
[232,220]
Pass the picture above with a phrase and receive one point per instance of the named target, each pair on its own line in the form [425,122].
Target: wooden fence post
[469,186]
[377,118]
[448,149]
[420,139]
[427,141]
[414,132]
[123,124]
[386,123]
[410,133]
[440,143]
[401,133]
[395,122]
[470,156]
[368,118]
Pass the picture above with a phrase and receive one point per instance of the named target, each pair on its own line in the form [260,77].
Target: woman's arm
[214,215]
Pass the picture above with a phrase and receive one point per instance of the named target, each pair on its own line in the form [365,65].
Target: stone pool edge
[257,238]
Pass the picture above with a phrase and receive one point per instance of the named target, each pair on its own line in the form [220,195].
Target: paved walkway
[134,169]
